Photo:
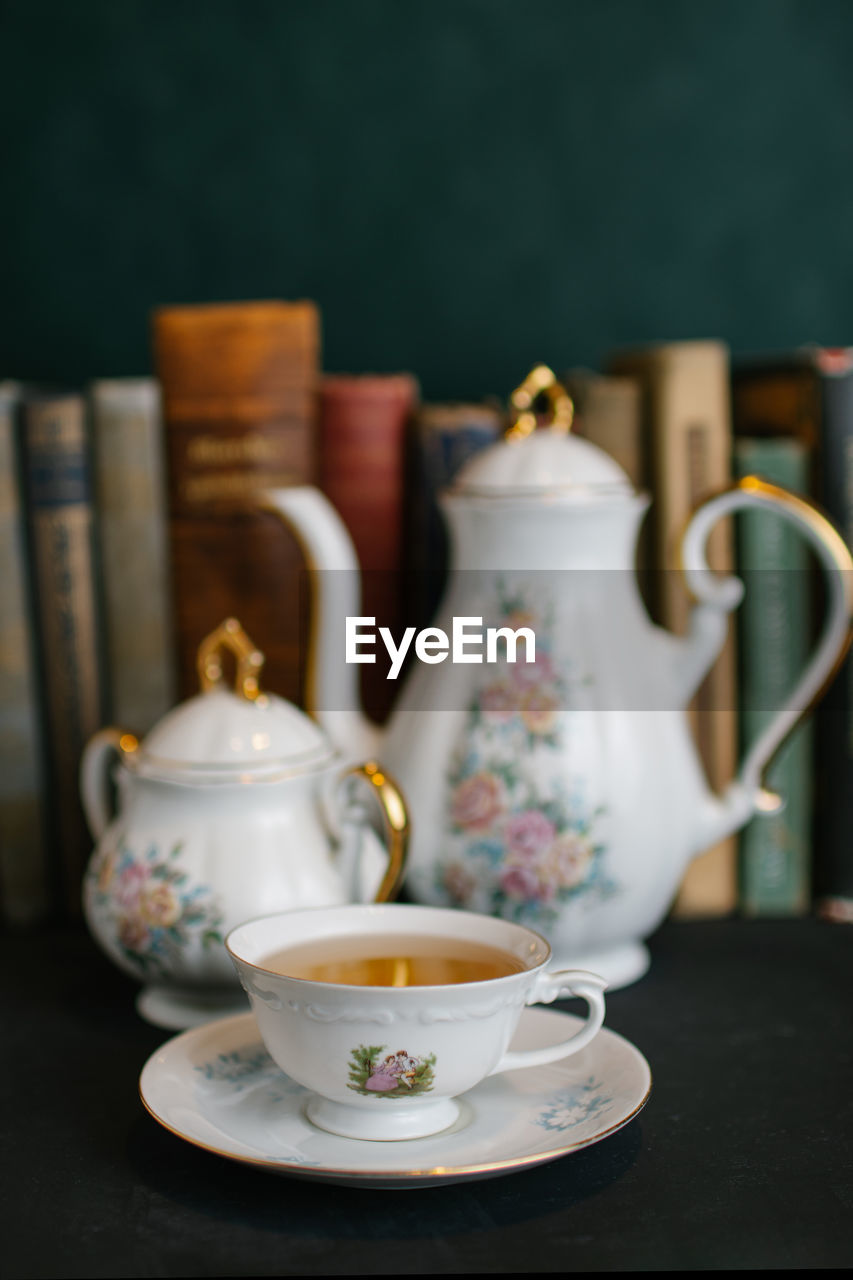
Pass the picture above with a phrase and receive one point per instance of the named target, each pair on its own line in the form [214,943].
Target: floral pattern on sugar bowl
[517,845]
[151,907]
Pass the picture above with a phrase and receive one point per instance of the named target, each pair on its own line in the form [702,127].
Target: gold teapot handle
[396,817]
[720,595]
[231,637]
[541,381]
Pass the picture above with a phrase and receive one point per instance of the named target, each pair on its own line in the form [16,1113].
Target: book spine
[687,421]
[239,386]
[834,723]
[440,440]
[24,885]
[130,489]
[63,580]
[775,847]
[362,430]
[608,412]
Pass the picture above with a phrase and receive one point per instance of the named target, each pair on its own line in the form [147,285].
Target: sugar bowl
[235,805]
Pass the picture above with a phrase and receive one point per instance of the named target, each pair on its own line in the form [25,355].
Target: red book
[362,431]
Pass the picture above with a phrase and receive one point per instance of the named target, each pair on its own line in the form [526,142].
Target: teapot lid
[548,460]
[222,734]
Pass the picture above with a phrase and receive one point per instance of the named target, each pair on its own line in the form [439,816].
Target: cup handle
[396,819]
[549,987]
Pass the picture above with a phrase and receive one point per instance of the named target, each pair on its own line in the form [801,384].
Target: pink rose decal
[129,885]
[531,675]
[477,802]
[520,882]
[528,833]
[499,702]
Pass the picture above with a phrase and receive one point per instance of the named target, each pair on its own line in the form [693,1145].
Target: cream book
[130,493]
[687,427]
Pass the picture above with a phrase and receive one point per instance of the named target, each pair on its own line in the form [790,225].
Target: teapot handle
[723,594]
[95,791]
[396,820]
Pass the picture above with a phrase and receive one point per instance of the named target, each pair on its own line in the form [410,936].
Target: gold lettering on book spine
[232,486]
[216,451]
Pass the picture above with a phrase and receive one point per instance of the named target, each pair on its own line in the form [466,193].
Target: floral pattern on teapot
[514,847]
[152,908]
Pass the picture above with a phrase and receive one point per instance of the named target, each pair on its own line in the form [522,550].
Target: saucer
[217,1087]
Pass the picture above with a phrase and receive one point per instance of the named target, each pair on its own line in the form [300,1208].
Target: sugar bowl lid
[230,735]
[537,459]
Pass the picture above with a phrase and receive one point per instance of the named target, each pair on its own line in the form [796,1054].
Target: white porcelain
[232,807]
[217,1088]
[567,794]
[388,1063]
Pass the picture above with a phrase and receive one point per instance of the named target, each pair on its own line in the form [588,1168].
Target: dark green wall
[465,186]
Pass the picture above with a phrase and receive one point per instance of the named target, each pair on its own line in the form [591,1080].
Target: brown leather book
[239,385]
[363,422]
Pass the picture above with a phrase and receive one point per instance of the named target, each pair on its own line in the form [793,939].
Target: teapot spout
[332,696]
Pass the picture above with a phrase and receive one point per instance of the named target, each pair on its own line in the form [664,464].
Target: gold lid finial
[541,381]
[230,635]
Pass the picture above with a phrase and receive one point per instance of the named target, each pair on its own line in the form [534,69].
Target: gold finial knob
[230,636]
[541,381]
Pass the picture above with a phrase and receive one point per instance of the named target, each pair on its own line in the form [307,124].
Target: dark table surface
[743,1156]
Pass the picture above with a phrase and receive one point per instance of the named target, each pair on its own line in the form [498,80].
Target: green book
[774,641]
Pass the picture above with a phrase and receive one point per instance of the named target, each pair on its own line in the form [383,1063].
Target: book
[57,483]
[130,494]
[362,431]
[774,641]
[25,895]
[608,412]
[807,394]
[239,384]
[440,440]
[687,425]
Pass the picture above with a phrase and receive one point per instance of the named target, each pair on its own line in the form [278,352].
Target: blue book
[441,439]
[65,591]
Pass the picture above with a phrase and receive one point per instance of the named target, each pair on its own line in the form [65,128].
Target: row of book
[130,528]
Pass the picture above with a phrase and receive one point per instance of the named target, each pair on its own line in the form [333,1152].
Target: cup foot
[395,1125]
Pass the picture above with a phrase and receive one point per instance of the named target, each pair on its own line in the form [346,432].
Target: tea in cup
[387,1013]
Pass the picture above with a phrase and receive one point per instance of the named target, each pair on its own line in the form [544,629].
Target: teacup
[389,1061]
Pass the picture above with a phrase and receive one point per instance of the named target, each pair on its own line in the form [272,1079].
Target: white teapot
[235,805]
[565,793]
